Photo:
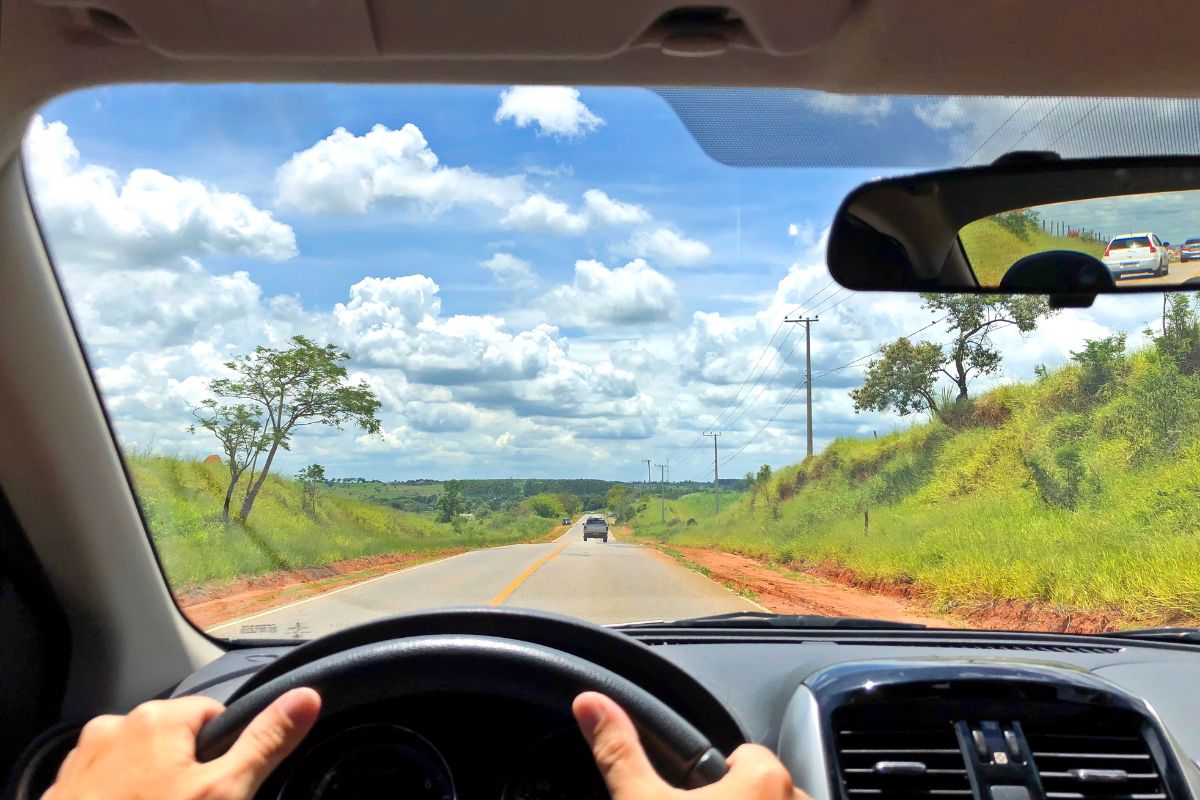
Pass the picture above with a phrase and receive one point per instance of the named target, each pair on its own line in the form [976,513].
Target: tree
[1101,361]
[241,435]
[303,384]
[310,478]
[903,377]
[449,502]
[617,496]
[571,504]
[1180,339]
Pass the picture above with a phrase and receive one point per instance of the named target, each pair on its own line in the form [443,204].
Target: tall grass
[182,503]
[1048,495]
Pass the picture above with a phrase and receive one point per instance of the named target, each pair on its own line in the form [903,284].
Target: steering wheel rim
[395,669]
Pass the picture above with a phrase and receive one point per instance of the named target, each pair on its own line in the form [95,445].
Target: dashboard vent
[899,761]
[1094,758]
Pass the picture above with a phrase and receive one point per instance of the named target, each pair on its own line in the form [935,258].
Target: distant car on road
[566,520]
[1136,254]
[1190,250]
[595,528]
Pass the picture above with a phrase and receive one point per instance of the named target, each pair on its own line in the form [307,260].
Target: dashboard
[442,748]
[854,715]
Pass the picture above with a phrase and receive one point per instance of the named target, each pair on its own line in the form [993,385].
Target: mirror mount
[1027,157]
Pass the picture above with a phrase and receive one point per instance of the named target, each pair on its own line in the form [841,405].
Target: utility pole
[807,369]
[716,478]
[662,500]
[648,481]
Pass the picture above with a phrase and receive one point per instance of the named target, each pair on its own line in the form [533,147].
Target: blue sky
[537,281]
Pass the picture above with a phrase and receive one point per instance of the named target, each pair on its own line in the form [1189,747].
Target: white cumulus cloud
[668,247]
[555,110]
[537,212]
[146,219]
[348,173]
[630,295]
[608,211]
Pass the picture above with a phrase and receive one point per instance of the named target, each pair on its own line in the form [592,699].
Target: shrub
[1101,363]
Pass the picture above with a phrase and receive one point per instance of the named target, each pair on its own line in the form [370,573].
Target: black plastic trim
[1011,687]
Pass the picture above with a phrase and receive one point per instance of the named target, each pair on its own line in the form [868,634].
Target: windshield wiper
[760,619]
[1191,635]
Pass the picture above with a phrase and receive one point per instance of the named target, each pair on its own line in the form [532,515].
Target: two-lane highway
[602,582]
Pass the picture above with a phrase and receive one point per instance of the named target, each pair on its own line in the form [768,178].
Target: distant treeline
[498,494]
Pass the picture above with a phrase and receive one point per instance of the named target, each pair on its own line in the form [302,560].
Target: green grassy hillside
[992,247]
[1042,492]
[182,503]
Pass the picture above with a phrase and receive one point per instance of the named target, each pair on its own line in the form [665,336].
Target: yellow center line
[512,587]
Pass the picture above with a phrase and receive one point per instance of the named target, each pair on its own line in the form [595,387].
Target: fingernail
[297,703]
[589,717]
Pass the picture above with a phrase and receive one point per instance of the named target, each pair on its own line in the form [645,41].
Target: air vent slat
[910,792]
[1113,756]
[886,756]
[1098,756]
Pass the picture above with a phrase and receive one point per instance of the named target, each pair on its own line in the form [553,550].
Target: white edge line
[323,595]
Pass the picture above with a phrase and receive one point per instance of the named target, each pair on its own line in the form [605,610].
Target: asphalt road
[597,581]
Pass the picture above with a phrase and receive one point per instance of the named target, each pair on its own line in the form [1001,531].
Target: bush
[544,505]
[1102,363]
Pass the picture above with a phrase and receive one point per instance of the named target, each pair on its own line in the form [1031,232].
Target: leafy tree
[241,435]
[1179,342]
[449,503]
[617,496]
[571,504]
[903,377]
[544,505]
[303,384]
[310,478]
[1101,361]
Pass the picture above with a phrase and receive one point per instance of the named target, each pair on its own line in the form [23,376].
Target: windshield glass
[369,350]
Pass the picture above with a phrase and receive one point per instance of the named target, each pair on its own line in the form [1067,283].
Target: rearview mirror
[1030,224]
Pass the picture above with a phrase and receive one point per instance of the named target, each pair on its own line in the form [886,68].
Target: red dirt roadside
[801,593]
[832,590]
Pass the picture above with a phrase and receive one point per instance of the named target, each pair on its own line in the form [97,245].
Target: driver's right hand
[754,771]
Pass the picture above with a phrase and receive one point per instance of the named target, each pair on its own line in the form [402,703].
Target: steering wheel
[398,668]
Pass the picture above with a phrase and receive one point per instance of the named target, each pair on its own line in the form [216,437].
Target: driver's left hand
[150,753]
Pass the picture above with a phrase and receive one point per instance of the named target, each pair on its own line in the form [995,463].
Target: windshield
[369,350]
[1129,242]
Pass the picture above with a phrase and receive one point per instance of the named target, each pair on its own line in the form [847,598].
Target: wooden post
[866,521]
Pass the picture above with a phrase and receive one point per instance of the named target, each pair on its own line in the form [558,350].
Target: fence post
[866,521]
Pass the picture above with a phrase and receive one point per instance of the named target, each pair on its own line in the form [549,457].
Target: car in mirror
[1028,224]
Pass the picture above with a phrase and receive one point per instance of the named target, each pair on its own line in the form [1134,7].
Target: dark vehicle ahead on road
[595,528]
[566,520]
[1190,250]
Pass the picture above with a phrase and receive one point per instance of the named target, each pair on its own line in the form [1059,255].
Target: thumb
[616,747]
[271,737]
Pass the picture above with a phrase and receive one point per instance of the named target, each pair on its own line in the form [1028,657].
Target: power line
[1075,124]
[729,405]
[729,423]
[1003,125]
[802,384]
[1038,124]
